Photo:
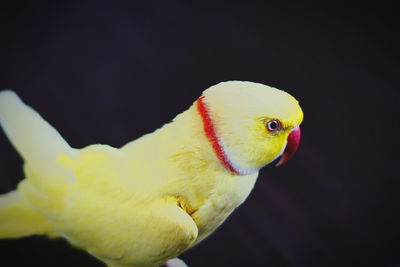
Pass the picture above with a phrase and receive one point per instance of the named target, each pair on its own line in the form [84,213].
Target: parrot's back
[88,196]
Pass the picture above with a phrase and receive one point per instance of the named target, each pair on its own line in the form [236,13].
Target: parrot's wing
[36,140]
[136,233]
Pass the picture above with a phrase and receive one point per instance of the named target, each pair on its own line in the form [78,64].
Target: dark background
[110,72]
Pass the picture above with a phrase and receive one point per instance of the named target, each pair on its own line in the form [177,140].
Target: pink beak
[293,142]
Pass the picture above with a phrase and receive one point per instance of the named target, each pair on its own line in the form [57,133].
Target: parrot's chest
[226,195]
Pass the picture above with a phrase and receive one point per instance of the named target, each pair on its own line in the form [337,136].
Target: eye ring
[273,126]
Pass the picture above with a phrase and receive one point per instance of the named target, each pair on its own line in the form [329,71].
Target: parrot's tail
[18,219]
[36,140]
[39,144]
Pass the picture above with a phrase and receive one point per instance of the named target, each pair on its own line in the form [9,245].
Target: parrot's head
[250,124]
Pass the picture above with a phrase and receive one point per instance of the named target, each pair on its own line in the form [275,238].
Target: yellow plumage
[157,196]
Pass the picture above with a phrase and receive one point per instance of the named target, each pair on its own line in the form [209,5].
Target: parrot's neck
[184,142]
[209,131]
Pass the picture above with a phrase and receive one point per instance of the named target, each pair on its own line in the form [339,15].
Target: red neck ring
[209,130]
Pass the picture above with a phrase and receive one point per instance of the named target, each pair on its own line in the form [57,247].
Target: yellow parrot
[147,202]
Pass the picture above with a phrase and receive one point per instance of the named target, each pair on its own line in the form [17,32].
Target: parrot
[147,202]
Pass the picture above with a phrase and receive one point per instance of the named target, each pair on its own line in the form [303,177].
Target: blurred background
[107,72]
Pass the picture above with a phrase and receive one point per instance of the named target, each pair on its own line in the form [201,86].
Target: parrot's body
[157,196]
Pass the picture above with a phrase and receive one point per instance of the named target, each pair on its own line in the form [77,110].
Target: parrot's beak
[293,142]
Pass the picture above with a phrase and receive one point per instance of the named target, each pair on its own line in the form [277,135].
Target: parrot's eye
[273,126]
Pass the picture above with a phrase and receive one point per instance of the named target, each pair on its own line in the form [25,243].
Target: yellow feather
[155,197]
